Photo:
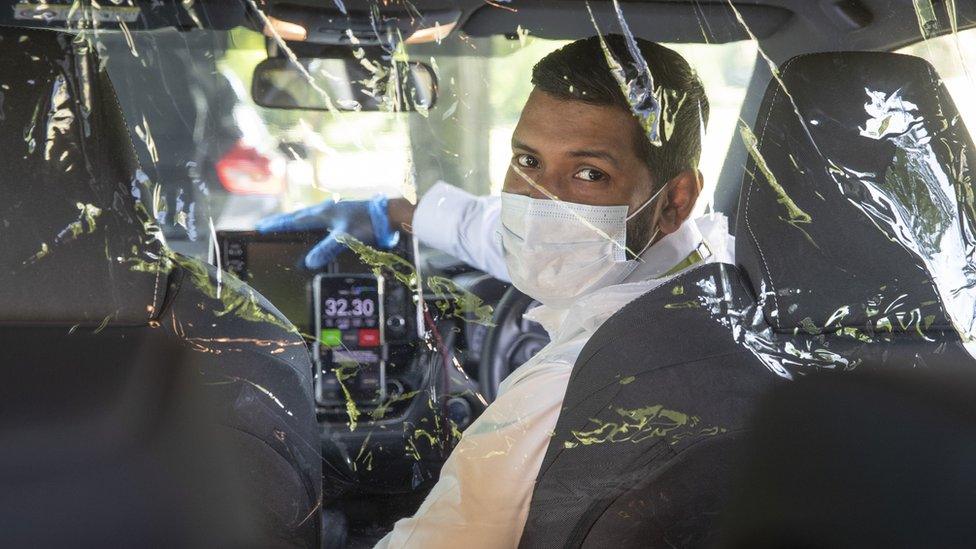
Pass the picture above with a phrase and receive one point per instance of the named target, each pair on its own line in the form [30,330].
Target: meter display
[350,344]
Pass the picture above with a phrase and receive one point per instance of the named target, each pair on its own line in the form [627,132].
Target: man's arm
[481,499]
[447,218]
[457,223]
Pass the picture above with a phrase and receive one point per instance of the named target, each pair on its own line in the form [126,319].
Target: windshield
[306,156]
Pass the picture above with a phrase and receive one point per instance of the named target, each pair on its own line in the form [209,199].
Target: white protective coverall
[482,497]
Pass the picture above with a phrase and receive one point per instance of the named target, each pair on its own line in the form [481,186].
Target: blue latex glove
[365,220]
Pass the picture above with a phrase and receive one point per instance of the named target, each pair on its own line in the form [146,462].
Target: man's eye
[589,174]
[526,161]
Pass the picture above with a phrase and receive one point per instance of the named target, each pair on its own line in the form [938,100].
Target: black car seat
[81,259]
[112,447]
[854,251]
[888,463]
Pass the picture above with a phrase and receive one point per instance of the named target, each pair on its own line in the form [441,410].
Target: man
[593,214]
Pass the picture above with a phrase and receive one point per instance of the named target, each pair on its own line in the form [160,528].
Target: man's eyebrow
[588,153]
[516,144]
[581,153]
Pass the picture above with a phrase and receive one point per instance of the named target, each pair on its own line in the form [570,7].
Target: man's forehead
[564,124]
[545,107]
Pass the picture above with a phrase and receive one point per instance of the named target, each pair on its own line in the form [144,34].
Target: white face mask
[557,251]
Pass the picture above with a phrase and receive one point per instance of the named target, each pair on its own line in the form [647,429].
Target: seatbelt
[701,253]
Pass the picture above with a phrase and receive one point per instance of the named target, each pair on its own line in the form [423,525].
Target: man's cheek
[513,183]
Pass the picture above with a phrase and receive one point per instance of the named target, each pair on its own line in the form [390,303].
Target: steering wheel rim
[510,342]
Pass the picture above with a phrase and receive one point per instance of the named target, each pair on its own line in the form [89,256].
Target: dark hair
[579,71]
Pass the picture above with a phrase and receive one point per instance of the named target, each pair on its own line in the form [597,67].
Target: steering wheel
[510,342]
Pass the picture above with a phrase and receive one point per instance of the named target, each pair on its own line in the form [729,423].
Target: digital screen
[350,338]
[274,269]
[349,303]
[344,306]
[349,312]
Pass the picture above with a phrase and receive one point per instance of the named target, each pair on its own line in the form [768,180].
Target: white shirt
[463,225]
[482,497]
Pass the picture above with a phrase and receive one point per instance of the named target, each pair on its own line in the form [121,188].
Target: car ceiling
[784,27]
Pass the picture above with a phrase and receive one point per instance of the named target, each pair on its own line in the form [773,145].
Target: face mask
[557,251]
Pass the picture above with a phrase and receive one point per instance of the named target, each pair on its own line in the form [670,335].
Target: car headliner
[784,27]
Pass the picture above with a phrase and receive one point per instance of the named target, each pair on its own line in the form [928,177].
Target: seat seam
[128,135]
[762,256]
[135,156]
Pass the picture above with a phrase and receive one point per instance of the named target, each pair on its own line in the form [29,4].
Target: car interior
[176,377]
[758,323]
[115,286]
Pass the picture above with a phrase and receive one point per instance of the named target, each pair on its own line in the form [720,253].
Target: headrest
[75,247]
[856,210]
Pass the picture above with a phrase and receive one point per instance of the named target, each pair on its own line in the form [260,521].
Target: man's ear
[683,191]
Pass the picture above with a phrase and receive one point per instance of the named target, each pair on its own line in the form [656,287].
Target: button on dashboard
[369,337]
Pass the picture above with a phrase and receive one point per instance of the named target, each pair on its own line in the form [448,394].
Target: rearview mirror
[348,84]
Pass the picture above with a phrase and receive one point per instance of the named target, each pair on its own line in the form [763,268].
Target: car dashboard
[395,371]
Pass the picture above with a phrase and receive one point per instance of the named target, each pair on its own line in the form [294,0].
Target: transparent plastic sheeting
[83,254]
[922,203]
[224,307]
[635,80]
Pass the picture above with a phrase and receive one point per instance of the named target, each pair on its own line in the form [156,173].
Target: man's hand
[365,220]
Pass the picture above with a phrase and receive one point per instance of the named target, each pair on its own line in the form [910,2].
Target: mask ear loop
[639,210]
[646,203]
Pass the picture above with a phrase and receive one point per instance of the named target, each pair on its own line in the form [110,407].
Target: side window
[954,57]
